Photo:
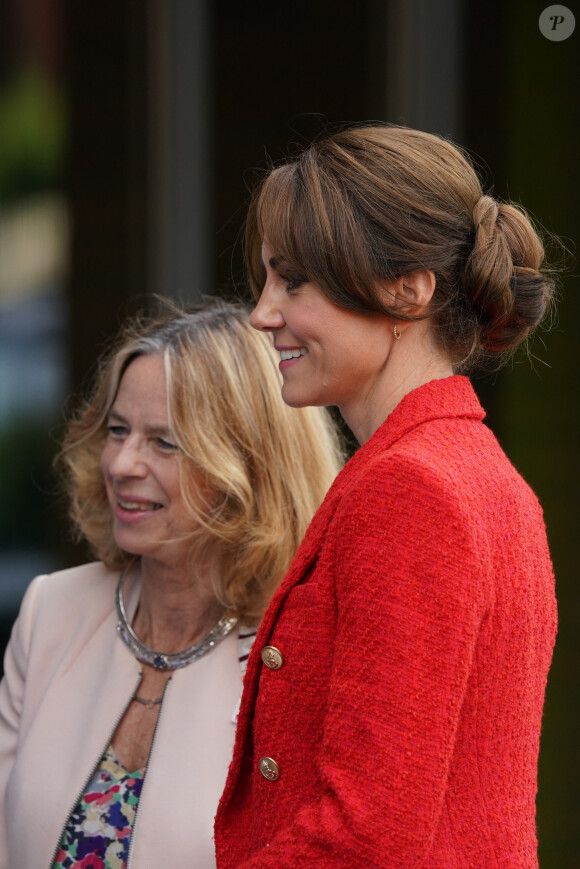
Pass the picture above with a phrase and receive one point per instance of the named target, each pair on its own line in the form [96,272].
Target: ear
[411,293]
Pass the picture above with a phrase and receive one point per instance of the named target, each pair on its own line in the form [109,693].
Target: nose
[267,315]
[127,460]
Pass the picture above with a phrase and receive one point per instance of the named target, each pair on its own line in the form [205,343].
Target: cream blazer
[68,680]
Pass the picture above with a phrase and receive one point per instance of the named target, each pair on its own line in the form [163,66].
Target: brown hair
[379,202]
[263,468]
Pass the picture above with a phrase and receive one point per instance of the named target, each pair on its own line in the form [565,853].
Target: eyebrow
[273,262]
[276,261]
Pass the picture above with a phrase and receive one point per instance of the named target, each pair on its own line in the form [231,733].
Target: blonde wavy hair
[263,467]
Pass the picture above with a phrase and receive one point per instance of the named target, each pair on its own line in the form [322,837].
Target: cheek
[105,463]
[170,481]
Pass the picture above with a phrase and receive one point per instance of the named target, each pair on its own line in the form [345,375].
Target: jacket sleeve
[12,690]
[411,593]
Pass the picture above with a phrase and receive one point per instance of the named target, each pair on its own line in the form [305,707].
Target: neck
[176,608]
[412,362]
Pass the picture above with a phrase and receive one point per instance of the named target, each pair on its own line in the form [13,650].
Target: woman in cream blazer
[122,677]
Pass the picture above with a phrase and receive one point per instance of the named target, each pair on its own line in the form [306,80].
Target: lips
[137,506]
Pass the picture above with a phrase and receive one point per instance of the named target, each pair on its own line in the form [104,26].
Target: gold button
[269,768]
[272,657]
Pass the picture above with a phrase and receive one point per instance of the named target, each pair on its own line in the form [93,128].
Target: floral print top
[99,829]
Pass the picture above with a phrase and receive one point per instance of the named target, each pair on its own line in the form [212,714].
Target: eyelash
[166,445]
[118,431]
[293,282]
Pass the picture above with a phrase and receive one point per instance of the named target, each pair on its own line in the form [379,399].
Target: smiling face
[140,465]
[328,355]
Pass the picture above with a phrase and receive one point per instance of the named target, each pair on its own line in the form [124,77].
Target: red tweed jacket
[414,632]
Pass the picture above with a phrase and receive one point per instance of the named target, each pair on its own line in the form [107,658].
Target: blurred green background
[130,131]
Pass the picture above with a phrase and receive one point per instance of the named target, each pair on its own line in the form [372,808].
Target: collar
[447,398]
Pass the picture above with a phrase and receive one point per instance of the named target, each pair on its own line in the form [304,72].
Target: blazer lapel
[306,555]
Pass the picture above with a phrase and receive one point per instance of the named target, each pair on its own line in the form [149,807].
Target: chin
[295,400]
[292,402]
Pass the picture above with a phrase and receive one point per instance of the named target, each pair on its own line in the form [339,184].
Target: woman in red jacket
[393,700]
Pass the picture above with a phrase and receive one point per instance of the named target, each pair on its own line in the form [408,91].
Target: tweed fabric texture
[416,625]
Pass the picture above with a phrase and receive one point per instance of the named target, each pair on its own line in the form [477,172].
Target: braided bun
[502,279]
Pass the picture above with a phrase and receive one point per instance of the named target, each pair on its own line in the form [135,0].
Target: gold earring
[396,334]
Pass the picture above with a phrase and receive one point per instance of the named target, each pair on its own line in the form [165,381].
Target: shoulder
[454,460]
[93,573]
[446,483]
[425,490]
[59,613]
[78,594]
[71,585]
[412,469]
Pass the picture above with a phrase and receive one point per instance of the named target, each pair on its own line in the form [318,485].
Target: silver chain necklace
[162,660]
